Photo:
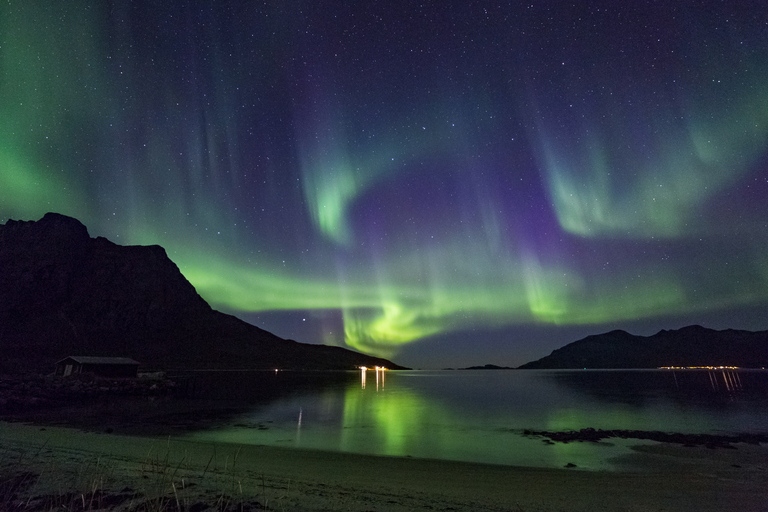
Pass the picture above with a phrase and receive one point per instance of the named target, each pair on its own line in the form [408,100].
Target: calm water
[479,415]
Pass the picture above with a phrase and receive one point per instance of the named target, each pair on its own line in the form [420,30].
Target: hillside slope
[690,346]
[65,293]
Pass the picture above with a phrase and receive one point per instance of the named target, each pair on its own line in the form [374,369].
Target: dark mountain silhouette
[690,346]
[488,367]
[64,293]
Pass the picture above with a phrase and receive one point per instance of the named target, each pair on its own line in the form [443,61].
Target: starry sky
[444,183]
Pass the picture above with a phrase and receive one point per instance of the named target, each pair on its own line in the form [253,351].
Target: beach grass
[48,479]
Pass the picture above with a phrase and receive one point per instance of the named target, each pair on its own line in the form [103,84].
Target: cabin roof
[100,360]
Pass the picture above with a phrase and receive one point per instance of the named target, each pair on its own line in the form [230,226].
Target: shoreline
[131,470]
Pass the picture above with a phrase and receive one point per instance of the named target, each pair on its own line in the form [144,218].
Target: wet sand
[118,472]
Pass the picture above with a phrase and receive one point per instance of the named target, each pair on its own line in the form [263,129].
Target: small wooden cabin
[111,367]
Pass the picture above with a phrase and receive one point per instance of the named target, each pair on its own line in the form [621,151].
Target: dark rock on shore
[24,393]
[596,435]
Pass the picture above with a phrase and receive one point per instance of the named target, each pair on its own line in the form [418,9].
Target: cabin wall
[101,370]
[110,370]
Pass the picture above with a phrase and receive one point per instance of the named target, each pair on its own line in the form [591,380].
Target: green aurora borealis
[378,175]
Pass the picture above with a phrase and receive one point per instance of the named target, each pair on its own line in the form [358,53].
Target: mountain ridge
[692,345]
[63,292]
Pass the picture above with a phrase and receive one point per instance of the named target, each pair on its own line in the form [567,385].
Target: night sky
[445,183]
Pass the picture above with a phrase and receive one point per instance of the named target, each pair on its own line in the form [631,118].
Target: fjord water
[480,416]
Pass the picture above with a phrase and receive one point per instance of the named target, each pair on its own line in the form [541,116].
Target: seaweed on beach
[595,435]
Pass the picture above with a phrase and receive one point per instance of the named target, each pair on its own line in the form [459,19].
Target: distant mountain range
[64,293]
[690,346]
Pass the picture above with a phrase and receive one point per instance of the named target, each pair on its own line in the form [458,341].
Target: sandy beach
[45,467]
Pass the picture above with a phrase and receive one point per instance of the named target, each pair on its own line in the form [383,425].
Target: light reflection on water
[479,415]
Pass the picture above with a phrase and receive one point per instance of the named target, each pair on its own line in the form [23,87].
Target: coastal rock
[24,393]
[595,435]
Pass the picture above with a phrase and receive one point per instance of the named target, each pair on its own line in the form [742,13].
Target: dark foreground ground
[58,468]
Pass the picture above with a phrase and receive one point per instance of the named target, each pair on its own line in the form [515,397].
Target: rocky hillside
[689,346]
[64,293]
